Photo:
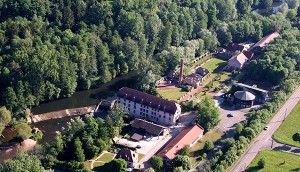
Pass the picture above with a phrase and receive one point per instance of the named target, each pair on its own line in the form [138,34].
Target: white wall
[145,112]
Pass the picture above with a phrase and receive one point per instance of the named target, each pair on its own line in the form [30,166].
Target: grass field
[215,65]
[289,127]
[196,151]
[141,156]
[171,94]
[188,70]
[87,165]
[276,161]
[98,164]
[107,157]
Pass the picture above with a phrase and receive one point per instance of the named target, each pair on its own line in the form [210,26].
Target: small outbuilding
[244,99]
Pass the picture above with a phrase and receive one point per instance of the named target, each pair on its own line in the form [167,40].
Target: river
[78,99]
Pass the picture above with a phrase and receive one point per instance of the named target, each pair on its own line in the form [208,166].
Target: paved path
[263,140]
[96,159]
[198,89]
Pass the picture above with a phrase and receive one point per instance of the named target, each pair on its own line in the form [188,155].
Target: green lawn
[87,165]
[171,94]
[201,95]
[188,70]
[289,127]
[107,157]
[141,156]
[98,164]
[215,65]
[276,161]
[196,151]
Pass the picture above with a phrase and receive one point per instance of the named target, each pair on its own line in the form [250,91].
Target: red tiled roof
[148,126]
[186,137]
[147,100]
[266,40]
[235,47]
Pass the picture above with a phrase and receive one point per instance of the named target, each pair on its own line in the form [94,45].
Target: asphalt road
[263,140]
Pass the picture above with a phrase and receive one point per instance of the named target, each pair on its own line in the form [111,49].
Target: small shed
[244,99]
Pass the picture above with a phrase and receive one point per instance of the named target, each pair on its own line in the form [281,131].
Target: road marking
[267,139]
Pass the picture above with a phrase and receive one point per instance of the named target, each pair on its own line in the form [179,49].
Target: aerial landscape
[149,86]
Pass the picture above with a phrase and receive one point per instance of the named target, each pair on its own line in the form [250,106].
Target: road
[263,140]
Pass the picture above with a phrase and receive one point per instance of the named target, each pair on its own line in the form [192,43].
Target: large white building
[146,106]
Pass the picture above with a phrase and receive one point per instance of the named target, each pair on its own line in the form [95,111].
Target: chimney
[181,71]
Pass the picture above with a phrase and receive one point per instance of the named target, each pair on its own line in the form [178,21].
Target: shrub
[261,163]
[208,146]
[157,162]
[296,137]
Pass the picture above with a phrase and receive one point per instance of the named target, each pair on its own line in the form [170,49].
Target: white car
[267,128]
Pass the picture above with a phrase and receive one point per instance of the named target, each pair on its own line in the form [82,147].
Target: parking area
[228,122]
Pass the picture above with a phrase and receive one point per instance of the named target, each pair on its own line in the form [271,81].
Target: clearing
[172,93]
[215,65]
[276,161]
[289,127]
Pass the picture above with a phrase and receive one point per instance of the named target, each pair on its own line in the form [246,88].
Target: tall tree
[208,114]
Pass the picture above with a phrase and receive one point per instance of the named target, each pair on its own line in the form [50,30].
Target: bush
[296,137]
[261,163]
[187,88]
[185,151]
[182,161]
[156,162]
[208,146]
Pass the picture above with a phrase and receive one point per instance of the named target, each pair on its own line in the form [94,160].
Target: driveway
[228,124]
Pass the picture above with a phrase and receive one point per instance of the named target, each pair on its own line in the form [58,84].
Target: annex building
[149,107]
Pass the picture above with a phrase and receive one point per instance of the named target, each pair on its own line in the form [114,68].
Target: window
[119,101]
[160,116]
[169,119]
[164,116]
[133,111]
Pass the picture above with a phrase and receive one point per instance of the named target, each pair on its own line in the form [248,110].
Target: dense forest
[51,48]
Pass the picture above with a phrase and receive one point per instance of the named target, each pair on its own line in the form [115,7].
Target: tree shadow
[253,169]
[296,151]
[284,148]
[295,169]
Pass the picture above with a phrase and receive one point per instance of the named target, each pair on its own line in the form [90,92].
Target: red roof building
[187,137]
[266,40]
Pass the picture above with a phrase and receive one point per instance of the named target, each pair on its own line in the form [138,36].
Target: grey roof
[202,71]
[251,87]
[244,95]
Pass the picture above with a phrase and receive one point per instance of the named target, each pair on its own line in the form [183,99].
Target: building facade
[146,106]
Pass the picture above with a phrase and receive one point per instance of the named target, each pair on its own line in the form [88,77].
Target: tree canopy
[208,114]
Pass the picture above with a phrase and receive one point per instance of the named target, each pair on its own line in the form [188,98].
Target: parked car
[267,128]
[138,146]
[230,115]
